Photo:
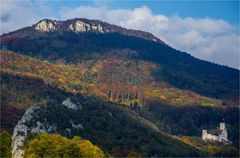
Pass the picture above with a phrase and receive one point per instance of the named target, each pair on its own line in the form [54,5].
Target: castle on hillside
[219,135]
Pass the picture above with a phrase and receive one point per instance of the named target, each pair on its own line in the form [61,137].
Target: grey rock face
[46,26]
[71,105]
[39,119]
[80,26]
[23,128]
[20,133]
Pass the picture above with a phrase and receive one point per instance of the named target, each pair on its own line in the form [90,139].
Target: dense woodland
[115,134]
[117,80]
[19,93]
[178,68]
[116,129]
[191,120]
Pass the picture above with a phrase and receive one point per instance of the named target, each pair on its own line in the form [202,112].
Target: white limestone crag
[46,26]
[43,127]
[80,26]
[97,28]
[20,133]
[35,121]
[71,105]
[22,130]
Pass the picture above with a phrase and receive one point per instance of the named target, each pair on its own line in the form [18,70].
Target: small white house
[219,135]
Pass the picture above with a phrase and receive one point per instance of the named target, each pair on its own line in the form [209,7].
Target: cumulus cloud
[17,14]
[209,39]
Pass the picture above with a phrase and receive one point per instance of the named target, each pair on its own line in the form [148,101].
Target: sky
[208,30]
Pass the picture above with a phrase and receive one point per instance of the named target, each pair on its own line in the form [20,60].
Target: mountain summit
[84,25]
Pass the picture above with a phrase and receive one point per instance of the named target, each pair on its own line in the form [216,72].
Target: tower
[204,134]
[222,126]
[224,134]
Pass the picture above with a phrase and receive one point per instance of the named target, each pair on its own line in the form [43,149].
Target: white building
[219,135]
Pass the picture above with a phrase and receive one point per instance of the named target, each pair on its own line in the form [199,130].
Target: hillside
[117,80]
[117,130]
[24,86]
[61,44]
[26,81]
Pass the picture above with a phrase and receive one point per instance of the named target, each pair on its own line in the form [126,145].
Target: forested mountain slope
[75,40]
[116,129]
[27,82]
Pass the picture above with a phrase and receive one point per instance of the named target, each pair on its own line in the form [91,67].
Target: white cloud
[210,39]
[17,14]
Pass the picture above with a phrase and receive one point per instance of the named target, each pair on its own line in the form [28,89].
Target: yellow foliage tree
[55,145]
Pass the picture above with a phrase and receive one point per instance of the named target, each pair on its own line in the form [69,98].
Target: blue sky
[226,10]
[220,10]
[208,30]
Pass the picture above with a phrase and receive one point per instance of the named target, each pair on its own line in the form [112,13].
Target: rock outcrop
[46,25]
[38,119]
[71,105]
[79,25]
[20,133]
[25,126]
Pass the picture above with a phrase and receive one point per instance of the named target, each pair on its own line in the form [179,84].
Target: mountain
[127,91]
[76,40]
